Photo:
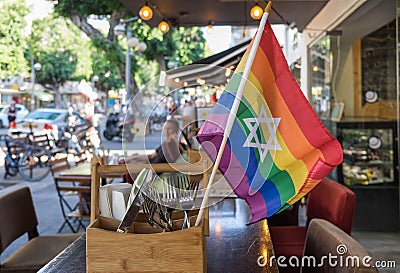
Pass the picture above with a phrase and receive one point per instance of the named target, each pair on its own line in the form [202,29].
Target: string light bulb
[256,12]
[146,13]
[210,28]
[163,26]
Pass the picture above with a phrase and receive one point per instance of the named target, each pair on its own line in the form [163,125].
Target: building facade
[346,61]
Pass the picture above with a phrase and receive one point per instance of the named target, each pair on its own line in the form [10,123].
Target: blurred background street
[44,192]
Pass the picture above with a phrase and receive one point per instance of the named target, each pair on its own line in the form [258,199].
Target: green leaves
[12,42]
[69,48]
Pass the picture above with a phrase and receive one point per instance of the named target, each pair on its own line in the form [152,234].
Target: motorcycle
[77,138]
[120,128]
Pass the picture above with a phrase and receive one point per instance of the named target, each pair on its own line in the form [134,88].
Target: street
[139,143]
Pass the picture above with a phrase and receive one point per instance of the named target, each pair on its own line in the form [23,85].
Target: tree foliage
[61,49]
[12,42]
[108,73]
[192,46]
[66,53]
[182,44]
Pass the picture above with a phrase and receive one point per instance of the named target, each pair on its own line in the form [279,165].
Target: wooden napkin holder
[144,248]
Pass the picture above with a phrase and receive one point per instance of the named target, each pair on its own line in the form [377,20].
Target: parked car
[54,120]
[22,111]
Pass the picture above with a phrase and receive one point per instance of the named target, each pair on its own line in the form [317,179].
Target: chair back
[80,157]
[58,165]
[17,216]
[327,240]
[334,202]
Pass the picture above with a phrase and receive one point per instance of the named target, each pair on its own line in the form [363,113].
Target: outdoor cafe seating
[329,200]
[18,217]
[73,192]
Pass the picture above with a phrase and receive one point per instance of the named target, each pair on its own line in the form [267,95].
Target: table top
[82,169]
[231,247]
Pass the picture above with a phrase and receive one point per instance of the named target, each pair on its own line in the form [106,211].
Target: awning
[227,12]
[211,70]
[39,95]
[43,96]
[10,91]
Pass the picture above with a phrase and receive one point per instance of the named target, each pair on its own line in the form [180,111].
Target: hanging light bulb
[146,13]
[256,12]
[163,26]
[210,28]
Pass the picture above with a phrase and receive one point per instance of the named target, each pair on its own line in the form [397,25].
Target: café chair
[329,200]
[80,157]
[324,239]
[288,217]
[17,217]
[73,195]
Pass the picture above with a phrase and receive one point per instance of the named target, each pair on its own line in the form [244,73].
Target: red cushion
[288,240]
[333,202]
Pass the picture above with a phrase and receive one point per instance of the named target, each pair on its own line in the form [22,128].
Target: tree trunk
[93,33]
[161,62]
[87,28]
[132,85]
[57,98]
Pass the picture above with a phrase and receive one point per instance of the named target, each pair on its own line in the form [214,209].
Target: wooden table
[82,173]
[79,170]
[231,247]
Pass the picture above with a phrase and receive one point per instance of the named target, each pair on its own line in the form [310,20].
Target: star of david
[253,140]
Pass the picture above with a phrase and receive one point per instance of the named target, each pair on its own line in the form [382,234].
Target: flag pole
[235,106]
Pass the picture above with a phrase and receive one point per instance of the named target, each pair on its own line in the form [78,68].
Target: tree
[108,73]
[192,47]
[160,47]
[12,42]
[61,50]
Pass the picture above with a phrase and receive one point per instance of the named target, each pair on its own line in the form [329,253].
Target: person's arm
[136,159]
[152,155]
[172,148]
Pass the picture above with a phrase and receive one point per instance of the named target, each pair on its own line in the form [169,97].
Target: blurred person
[173,109]
[188,109]
[213,98]
[12,114]
[168,152]
[188,121]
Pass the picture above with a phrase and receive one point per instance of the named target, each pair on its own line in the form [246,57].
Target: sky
[218,39]
[39,8]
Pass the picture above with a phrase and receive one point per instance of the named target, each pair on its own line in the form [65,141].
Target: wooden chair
[73,194]
[80,157]
[17,217]
[44,140]
[324,239]
[329,200]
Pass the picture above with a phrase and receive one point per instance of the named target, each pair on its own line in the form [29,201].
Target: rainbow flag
[278,149]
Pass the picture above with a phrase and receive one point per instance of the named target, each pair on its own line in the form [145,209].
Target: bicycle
[32,163]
